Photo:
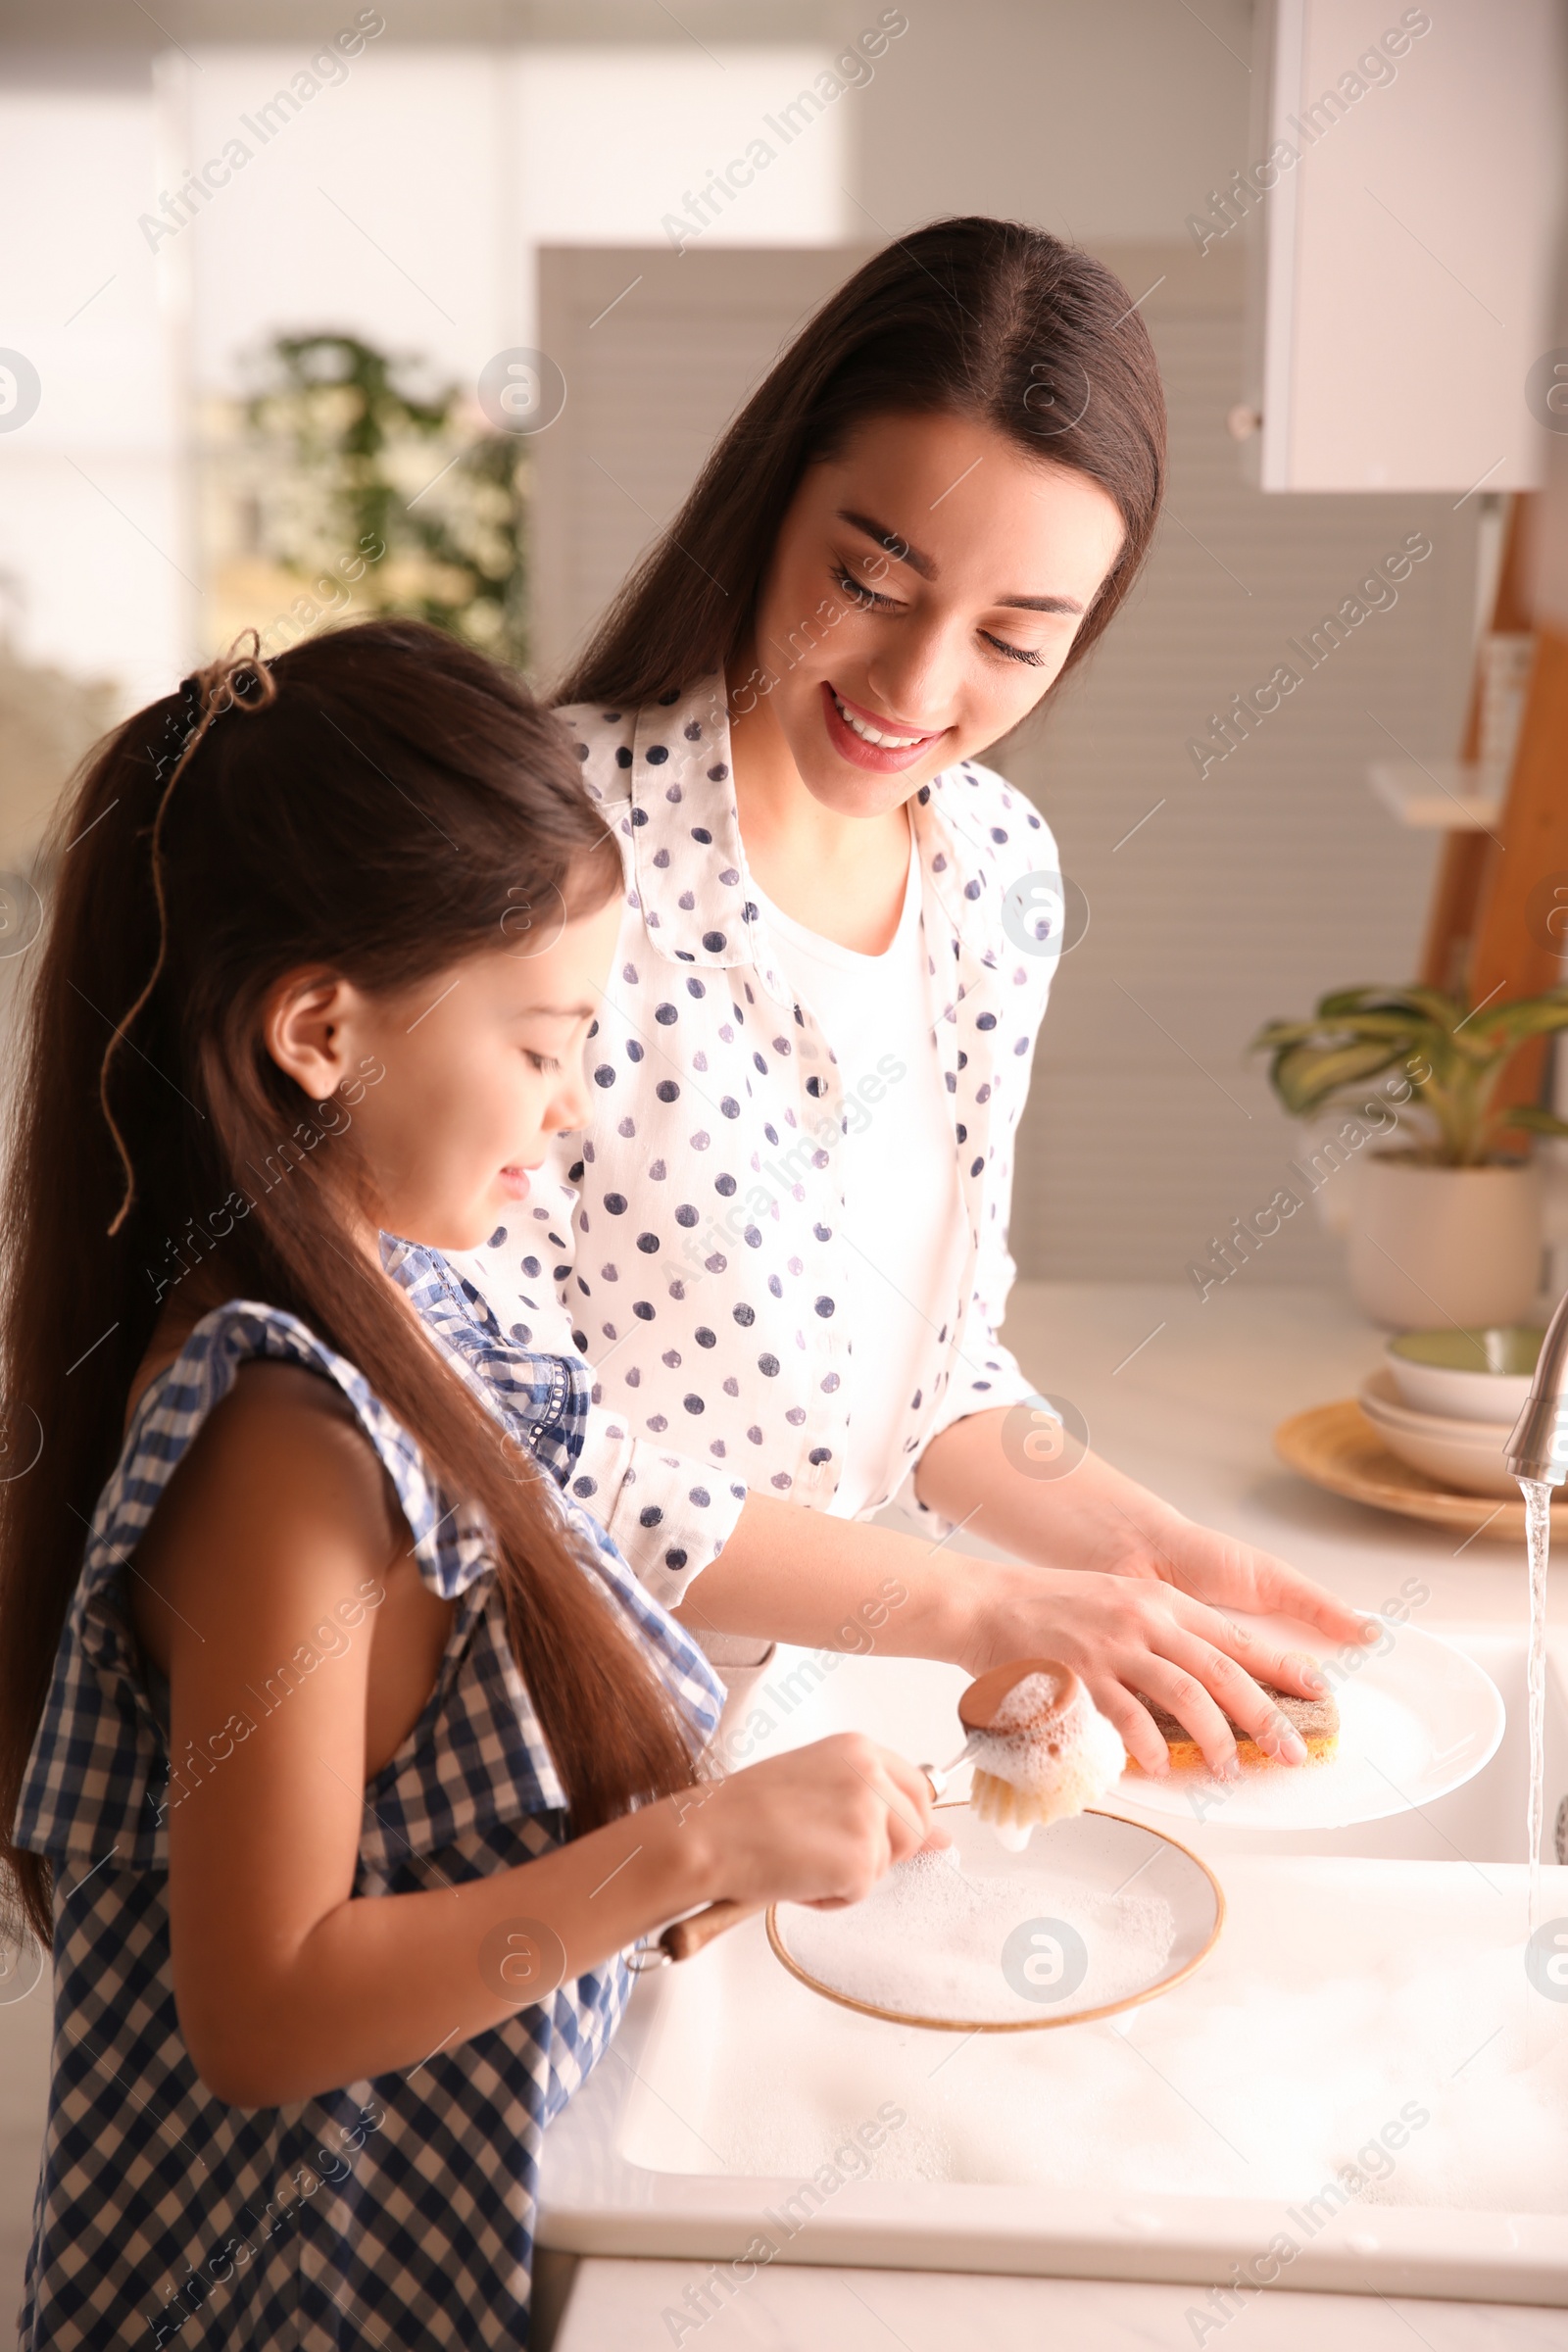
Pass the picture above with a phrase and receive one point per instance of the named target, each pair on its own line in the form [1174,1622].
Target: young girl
[350,1759]
[782,1244]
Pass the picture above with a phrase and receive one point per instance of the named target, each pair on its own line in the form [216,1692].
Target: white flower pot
[1434,1246]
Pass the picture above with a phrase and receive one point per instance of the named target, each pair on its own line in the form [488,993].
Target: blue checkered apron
[397,2211]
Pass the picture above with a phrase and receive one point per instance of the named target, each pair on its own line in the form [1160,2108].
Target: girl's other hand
[819,1825]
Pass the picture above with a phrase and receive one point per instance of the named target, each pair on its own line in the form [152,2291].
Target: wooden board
[1516,952]
[1336,1446]
[1465,865]
[1487,934]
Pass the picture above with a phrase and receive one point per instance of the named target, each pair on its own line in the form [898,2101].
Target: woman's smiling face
[925,589]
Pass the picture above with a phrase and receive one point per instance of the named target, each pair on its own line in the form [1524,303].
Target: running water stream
[1537,1492]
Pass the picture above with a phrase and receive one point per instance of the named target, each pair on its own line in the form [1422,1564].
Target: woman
[782,1241]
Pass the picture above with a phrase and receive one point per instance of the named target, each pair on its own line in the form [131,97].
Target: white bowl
[1465,1454]
[1465,1375]
[1380,1396]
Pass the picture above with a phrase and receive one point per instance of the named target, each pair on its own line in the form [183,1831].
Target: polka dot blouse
[687,1244]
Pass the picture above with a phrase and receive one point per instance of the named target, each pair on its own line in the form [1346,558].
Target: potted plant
[1444,1225]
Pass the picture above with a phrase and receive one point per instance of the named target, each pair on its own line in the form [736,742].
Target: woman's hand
[1228,1574]
[819,1825]
[1129,1629]
[1092,1516]
[1130,1638]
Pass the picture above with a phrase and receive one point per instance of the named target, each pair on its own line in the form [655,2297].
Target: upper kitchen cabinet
[1400,201]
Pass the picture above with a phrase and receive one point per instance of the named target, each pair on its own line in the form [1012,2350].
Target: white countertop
[636,2306]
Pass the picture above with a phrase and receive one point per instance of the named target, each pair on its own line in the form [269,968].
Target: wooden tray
[1336,1446]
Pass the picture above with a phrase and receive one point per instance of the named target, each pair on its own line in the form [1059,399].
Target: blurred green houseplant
[1453,1058]
[359,458]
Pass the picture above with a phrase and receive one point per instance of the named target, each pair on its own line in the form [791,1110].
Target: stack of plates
[1447,1402]
[1467,1455]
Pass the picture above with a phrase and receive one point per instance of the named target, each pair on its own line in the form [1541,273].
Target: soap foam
[1045,1756]
[1327,2013]
[927,1941]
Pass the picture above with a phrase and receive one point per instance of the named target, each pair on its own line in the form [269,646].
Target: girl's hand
[1129,1637]
[819,1825]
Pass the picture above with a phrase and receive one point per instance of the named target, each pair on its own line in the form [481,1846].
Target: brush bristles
[1003,1802]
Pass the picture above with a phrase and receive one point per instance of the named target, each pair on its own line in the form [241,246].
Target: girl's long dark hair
[383,801]
[983,319]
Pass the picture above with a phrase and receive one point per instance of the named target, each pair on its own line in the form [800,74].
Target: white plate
[1380,1400]
[1094,1916]
[1468,1455]
[1417,1718]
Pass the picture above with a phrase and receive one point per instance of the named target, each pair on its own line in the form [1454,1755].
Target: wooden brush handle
[688,1936]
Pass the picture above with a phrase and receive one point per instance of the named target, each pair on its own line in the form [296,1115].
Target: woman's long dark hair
[381,801]
[982,318]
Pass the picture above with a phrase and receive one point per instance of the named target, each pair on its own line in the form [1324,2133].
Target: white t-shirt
[903,1216]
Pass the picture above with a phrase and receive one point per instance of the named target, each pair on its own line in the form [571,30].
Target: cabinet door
[1404,197]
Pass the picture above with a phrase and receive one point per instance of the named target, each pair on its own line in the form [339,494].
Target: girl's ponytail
[377,803]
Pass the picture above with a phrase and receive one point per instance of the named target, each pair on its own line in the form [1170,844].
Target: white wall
[1100,120]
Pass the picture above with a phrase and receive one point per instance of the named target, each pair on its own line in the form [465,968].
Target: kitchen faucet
[1533,1450]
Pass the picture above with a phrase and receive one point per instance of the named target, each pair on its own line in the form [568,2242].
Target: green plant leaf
[1304,1076]
[338,423]
[1531,1119]
[1349,1029]
[1455,1059]
[1275,1034]
[1424,1003]
[1525,1016]
[1391,1025]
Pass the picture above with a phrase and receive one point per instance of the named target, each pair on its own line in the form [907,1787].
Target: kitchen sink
[1361,2089]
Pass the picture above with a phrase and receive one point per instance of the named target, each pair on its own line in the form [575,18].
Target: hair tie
[235,677]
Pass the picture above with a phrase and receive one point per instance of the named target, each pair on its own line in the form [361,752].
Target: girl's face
[925,590]
[455,1084]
